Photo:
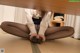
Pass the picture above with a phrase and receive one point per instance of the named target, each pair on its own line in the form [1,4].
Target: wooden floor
[13,44]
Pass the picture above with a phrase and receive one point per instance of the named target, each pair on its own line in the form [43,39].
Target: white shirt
[43,25]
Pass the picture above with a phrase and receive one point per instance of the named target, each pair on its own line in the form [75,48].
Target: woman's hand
[42,36]
[32,35]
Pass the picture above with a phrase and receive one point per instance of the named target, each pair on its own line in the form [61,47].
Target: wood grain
[61,6]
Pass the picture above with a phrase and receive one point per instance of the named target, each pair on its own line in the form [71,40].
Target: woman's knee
[69,29]
[4,24]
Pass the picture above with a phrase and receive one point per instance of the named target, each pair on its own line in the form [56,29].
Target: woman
[39,29]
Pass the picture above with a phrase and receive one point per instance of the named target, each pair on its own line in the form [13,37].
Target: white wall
[13,14]
[6,13]
[77,27]
[73,21]
[1,13]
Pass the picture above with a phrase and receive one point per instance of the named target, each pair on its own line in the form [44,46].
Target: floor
[13,44]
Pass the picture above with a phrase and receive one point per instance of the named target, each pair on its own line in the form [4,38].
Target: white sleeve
[44,23]
[30,22]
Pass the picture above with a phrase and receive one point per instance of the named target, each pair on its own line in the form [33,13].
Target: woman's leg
[17,29]
[59,32]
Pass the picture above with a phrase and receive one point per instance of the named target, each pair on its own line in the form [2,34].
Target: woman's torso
[37,21]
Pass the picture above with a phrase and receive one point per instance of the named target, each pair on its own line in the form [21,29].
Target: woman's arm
[44,23]
[30,22]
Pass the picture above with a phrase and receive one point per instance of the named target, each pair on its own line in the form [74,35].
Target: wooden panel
[62,6]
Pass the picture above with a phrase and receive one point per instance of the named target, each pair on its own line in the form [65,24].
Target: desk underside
[60,6]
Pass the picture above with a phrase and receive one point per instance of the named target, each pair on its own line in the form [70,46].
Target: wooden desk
[54,22]
[61,6]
